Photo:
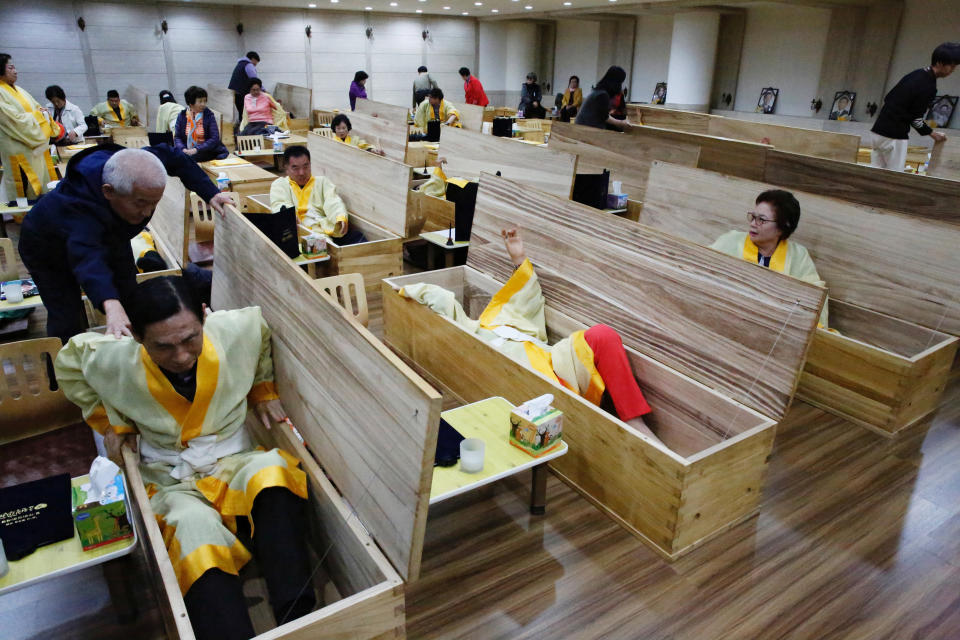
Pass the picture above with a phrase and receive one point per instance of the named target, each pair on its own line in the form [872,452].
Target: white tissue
[535,408]
[617,185]
[102,473]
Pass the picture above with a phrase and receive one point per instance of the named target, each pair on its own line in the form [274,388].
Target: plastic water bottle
[223,182]
[277,145]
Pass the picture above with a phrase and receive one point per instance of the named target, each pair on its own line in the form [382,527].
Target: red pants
[611,362]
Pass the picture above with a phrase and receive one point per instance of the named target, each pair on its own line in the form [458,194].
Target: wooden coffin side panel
[906,193]
[724,155]
[677,119]
[740,330]
[382,110]
[374,614]
[822,144]
[635,481]
[945,160]
[371,420]
[140,100]
[899,265]
[628,162]
[175,619]
[295,99]
[469,154]
[471,117]
[169,222]
[389,135]
[437,213]
[931,372]
[378,189]
[378,258]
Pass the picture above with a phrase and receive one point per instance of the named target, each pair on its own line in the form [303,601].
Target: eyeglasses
[752,217]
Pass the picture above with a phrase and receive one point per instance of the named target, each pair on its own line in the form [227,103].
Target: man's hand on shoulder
[118,324]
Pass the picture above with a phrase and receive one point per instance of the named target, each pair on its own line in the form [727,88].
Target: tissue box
[103,521]
[616,201]
[539,435]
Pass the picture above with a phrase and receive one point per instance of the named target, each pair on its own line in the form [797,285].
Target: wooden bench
[892,283]
[716,347]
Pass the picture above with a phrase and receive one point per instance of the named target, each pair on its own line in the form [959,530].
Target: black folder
[280,227]
[34,514]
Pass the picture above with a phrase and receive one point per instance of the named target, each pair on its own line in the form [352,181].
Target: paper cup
[13,291]
[471,455]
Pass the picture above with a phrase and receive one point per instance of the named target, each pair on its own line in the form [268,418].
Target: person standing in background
[244,71]
[472,89]
[422,86]
[67,114]
[905,106]
[358,88]
[25,131]
[167,113]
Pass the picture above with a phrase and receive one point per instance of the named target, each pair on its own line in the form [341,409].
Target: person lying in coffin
[591,362]
[180,389]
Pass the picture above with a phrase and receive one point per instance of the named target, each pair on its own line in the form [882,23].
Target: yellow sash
[38,115]
[113,114]
[778,260]
[302,196]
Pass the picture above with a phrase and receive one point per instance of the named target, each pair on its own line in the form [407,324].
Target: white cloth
[71,118]
[888,153]
[200,456]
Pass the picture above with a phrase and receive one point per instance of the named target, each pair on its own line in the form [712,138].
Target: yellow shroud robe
[167,117]
[353,141]
[791,258]
[24,145]
[425,113]
[118,386]
[513,323]
[106,113]
[319,208]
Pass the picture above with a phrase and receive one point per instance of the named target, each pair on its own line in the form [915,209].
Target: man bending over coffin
[775,217]
[78,236]
[588,362]
[319,208]
[436,108]
[182,386]
[116,112]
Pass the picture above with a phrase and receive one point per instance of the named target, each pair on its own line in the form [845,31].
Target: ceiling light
[393,4]
[478,4]
[528,7]
[446,8]
[368,8]
[419,11]
[494,10]
[567,4]
[334,1]
[312,6]
[465,13]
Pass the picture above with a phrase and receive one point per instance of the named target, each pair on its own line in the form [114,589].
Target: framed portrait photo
[941,111]
[659,94]
[842,108]
[768,100]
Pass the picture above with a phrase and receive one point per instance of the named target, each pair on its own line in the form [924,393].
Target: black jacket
[906,104]
[73,229]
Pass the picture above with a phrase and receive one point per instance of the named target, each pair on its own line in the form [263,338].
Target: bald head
[133,183]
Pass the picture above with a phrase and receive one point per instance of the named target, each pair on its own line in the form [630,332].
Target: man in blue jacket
[77,237]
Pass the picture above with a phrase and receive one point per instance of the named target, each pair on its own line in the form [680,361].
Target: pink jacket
[262,112]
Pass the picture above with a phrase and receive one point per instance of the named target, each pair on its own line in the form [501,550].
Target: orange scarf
[194,130]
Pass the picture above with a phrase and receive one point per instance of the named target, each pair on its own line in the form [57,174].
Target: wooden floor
[858,538]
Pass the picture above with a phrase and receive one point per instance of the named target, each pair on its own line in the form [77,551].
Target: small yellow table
[489,420]
[63,557]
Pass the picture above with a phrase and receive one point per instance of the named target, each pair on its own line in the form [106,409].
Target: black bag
[465,202]
[34,514]
[591,189]
[93,125]
[433,131]
[280,227]
[503,127]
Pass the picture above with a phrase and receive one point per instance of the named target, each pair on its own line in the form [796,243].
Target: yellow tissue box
[538,436]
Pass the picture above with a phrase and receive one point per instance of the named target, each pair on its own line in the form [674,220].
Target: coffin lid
[740,330]
[369,420]
[374,188]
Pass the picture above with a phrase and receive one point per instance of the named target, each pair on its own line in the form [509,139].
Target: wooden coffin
[468,154]
[297,101]
[945,160]
[382,110]
[471,117]
[822,144]
[627,161]
[438,214]
[717,348]
[724,155]
[140,100]
[245,179]
[892,282]
[375,188]
[372,430]
[378,258]
[221,99]
[388,135]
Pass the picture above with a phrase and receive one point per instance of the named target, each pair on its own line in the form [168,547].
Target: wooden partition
[382,110]
[297,101]
[892,283]
[390,135]
[945,160]
[822,144]
[375,188]
[627,161]
[724,155]
[716,345]
[140,101]
[471,117]
[906,193]
[170,222]
[468,154]
[220,99]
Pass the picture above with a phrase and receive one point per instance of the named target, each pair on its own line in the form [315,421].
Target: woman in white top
[67,114]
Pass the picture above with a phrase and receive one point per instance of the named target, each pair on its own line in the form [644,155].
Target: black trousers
[238,101]
[216,603]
